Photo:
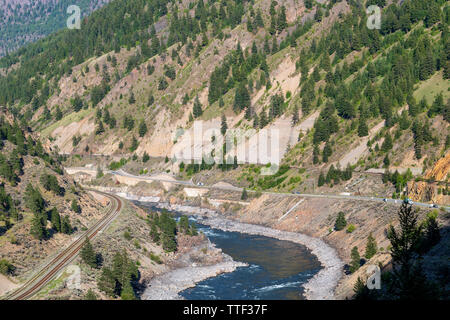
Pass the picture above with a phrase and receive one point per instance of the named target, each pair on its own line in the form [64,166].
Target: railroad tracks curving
[51,269]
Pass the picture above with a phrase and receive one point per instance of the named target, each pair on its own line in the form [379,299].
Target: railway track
[51,269]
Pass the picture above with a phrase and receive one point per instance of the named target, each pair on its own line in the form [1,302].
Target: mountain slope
[40,207]
[341,95]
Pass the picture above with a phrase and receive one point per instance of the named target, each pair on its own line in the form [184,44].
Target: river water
[277,269]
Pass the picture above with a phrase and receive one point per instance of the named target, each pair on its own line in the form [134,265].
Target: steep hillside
[40,207]
[338,97]
[43,210]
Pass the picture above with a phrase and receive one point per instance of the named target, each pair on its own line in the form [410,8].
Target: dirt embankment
[6,285]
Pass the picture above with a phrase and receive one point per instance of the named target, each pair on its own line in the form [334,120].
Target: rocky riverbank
[320,287]
[188,272]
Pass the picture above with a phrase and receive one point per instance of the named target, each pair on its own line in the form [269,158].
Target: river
[276,269]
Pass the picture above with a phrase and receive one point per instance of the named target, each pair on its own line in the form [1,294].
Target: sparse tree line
[400,181]
[11,167]
[37,205]
[8,209]
[164,228]
[334,176]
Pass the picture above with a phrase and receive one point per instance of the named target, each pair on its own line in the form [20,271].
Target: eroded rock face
[425,191]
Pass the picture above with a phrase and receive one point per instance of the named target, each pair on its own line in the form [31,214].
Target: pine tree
[255,121]
[77,103]
[142,128]
[241,98]
[151,99]
[154,234]
[282,23]
[75,207]
[224,126]
[340,221]
[162,85]
[259,20]
[38,230]
[363,130]
[387,144]
[355,262]
[244,195]
[55,218]
[134,144]
[316,153]
[326,152]
[132,99]
[362,292]
[183,224]
[295,118]
[371,247]
[66,228]
[321,181]
[408,280]
[127,292]
[248,113]
[106,282]
[197,111]
[263,119]
[386,161]
[88,254]
[185,99]
[432,233]
[58,113]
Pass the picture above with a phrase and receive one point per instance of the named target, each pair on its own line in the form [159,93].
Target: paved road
[50,270]
[232,188]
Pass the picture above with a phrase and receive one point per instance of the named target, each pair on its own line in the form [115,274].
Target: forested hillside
[345,98]
[24,21]
[40,206]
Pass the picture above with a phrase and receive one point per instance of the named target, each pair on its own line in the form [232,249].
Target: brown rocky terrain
[438,174]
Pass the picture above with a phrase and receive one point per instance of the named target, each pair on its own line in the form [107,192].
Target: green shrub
[340,221]
[351,228]
[6,267]
[155,258]
[127,235]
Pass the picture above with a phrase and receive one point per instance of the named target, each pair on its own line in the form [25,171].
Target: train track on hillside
[51,269]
